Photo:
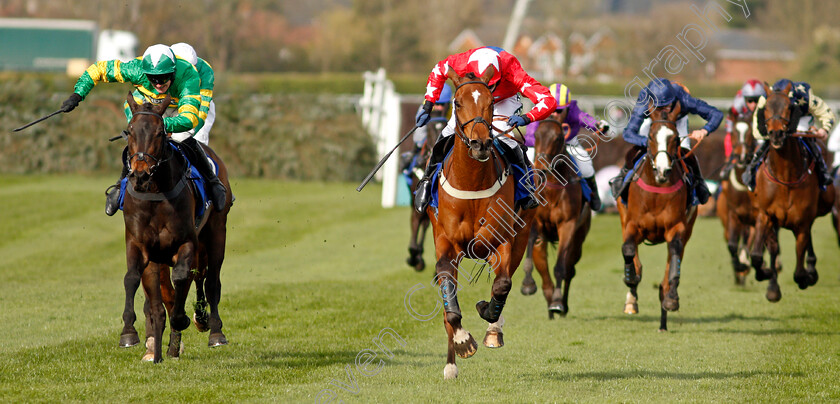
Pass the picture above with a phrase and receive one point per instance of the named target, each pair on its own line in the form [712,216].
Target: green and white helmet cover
[158,59]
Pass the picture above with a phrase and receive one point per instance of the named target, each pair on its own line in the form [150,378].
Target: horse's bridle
[459,127]
[142,156]
[670,157]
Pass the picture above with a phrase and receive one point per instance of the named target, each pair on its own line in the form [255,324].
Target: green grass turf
[314,272]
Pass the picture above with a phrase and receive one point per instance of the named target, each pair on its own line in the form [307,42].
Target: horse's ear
[488,74]
[132,105]
[161,108]
[675,111]
[788,87]
[456,79]
[767,89]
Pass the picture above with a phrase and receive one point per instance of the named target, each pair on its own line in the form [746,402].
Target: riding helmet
[158,60]
[662,92]
[752,88]
[562,94]
[185,51]
[483,58]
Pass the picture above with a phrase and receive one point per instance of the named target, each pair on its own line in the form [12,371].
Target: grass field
[314,272]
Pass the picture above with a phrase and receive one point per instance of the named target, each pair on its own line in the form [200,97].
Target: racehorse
[161,232]
[787,195]
[420,220]
[564,219]
[657,210]
[475,218]
[735,206]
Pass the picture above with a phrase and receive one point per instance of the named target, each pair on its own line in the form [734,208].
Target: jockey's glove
[424,114]
[71,102]
[518,120]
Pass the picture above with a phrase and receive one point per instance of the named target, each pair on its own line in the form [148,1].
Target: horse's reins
[141,156]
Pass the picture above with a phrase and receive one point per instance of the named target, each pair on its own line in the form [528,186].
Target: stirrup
[112,199]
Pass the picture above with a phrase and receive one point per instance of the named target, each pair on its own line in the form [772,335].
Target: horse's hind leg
[762,230]
[201,318]
[774,293]
[176,347]
[632,276]
[529,287]
[415,246]
[669,297]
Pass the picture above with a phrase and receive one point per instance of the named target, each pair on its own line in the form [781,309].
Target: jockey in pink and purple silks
[568,112]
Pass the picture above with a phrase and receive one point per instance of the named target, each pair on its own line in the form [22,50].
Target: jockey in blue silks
[663,93]
[808,106]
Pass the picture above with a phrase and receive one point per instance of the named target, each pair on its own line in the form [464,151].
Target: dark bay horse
[564,219]
[161,232]
[420,220]
[657,211]
[735,202]
[475,218]
[787,195]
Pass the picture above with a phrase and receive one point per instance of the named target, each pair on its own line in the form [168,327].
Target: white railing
[380,109]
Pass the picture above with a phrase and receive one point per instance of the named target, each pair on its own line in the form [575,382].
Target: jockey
[567,111]
[742,108]
[661,92]
[207,112]
[809,107]
[154,75]
[440,113]
[506,84]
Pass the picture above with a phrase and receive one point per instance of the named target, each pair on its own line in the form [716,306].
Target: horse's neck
[789,161]
[466,173]
[560,165]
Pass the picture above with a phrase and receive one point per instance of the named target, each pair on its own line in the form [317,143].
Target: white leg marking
[450,371]
[497,326]
[461,336]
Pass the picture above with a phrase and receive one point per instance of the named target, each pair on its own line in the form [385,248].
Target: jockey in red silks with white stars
[509,81]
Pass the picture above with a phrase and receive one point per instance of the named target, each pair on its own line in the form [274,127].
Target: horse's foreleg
[131,281]
[564,268]
[460,341]
[157,313]
[628,250]
[176,347]
[805,252]
[762,227]
[415,250]
[540,256]
[529,287]
[733,238]
[774,293]
[182,276]
[213,286]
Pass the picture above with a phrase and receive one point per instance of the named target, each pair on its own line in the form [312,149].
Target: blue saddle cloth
[202,201]
[524,180]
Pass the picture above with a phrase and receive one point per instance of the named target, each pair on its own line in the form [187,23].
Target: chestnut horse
[475,219]
[735,206]
[787,195]
[161,231]
[657,211]
[420,220]
[564,219]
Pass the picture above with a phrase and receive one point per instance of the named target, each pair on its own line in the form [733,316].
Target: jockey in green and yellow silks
[155,75]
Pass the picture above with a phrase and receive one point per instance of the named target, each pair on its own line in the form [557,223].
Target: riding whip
[37,120]
[382,162]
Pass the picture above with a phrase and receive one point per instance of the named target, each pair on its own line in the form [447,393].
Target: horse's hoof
[450,371]
[671,304]
[529,287]
[200,323]
[149,356]
[420,266]
[662,330]
[494,340]
[774,294]
[217,339]
[741,278]
[813,277]
[129,340]
[631,308]
[465,345]
[558,307]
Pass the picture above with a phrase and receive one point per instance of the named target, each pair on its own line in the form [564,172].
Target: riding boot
[701,190]
[516,155]
[215,188]
[823,174]
[748,178]
[594,198]
[423,192]
[112,194]
[617,184]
